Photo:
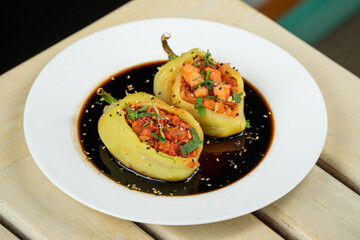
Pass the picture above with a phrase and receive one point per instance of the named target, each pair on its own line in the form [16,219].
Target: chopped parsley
[166,156]
[157,137]
[146,114]
[179,133]
[199,106]
[207,82]
[195,63]
[196,78]
[237,96]
[207,74]
[206,57]
[212,97]
[156,110]
[162,132]
[248,124]
[132,114]
[203,72]
[145,124]
[191,145]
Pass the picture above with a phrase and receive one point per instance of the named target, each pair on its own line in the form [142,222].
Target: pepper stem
[166,47]
[105,96]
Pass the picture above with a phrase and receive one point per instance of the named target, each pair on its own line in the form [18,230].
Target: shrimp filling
[209,84]
[161,130]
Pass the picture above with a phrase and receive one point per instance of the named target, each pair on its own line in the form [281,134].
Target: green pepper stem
[105,96]
[166,47]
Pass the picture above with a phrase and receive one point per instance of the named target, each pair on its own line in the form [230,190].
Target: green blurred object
[313,20]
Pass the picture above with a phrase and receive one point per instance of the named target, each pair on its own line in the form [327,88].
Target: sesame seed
[86,111]
[84,134]
[265,116]
[217,159]
[128,76]
[208,142]
[147,81]
[92,106]
[112,78]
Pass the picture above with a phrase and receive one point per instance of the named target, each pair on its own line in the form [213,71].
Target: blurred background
[29,27]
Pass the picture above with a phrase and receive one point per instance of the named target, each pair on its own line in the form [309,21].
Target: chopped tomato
[219,97]
[176,131]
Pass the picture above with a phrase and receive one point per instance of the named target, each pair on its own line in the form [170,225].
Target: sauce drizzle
[222,161]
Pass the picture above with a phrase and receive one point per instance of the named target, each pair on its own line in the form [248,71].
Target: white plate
[60,89]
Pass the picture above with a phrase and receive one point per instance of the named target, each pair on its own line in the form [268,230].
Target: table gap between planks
[320,207]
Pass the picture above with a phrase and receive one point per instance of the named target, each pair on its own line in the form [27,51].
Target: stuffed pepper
[212,92]
[147,135]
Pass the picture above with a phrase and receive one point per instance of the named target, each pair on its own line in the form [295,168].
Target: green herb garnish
[208,83]
[145,124]
[196,78]
[191,145]
[199,106]
[132,114]
[203,72]
[207,75]
[160,138]
[146,114]
[195,64]
[206,57]
[212,97]
[179,133]
[162,133]
[248,124]
[166,156]
[237,96]
[156,110]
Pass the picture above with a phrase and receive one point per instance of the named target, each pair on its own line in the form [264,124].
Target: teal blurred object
[313,20]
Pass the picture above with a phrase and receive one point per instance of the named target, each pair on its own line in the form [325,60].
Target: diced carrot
[201,92]
[215,75]
[222,91]
[191,74]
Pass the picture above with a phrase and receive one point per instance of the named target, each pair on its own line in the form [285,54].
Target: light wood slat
[320,207]
[41,211]
[340,88]
[243,227]
[47,211]
[6,234]
[321,198]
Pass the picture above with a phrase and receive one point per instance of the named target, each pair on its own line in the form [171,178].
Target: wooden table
[325,205]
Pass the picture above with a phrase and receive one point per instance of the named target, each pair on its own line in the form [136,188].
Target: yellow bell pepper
[167,84]
[125,146]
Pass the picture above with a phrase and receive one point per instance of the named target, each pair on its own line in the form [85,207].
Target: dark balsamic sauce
[222,161]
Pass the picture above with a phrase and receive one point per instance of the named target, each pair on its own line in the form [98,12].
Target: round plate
[56,96]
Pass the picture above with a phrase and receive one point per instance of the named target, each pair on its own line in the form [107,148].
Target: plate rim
[220,218]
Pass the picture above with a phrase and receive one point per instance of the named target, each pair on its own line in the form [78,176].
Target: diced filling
[209,85]
[162,130]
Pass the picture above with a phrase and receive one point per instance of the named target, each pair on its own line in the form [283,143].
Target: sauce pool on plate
[222,161]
